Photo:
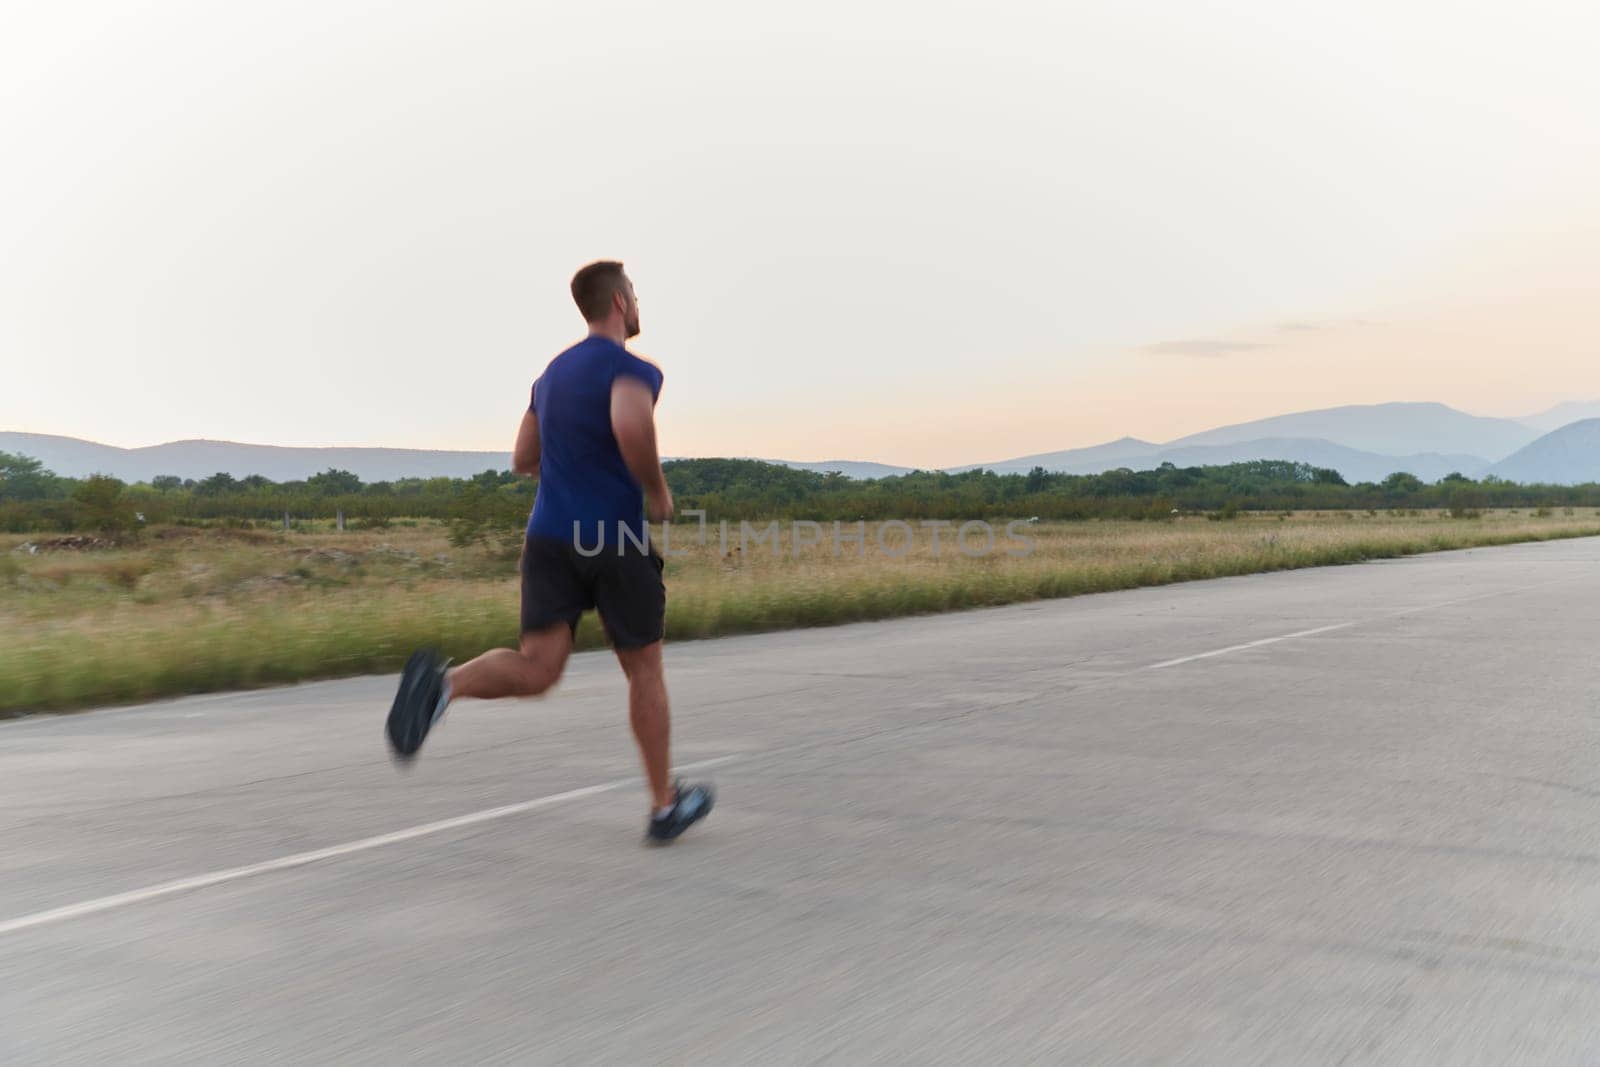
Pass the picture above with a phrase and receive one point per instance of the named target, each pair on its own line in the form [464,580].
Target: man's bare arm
[633,421]
[525,456]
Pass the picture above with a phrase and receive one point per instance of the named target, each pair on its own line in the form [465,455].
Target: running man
[589,435]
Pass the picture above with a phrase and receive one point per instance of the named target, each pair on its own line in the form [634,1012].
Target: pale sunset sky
[920,233]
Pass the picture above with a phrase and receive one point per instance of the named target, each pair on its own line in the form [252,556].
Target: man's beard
[632,326]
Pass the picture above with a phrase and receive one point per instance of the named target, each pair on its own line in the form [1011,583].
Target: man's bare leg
[520,672]
[648,712]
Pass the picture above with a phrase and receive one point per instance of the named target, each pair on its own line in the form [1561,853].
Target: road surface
[1348,815]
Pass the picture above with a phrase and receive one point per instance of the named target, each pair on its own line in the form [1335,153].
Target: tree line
[35,499]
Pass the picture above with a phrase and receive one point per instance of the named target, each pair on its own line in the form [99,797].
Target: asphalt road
[1348,815]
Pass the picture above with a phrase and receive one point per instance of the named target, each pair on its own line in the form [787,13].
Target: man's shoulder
[636,362]
[602,356]
[577,351]
[574,358]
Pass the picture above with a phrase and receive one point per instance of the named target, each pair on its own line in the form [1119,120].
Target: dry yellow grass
[205,610]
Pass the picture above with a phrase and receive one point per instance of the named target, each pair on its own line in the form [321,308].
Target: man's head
[604,295]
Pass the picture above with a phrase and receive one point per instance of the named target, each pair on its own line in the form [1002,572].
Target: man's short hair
[593,287]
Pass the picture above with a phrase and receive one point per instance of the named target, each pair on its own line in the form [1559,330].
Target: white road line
[1354,622]
[1419,609]
[1247,644]
[301,859]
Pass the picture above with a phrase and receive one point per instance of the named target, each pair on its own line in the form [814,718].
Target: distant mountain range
[1564,456]
[850,468]
[1364,442]
[201,459]
[1355,440]
[75,458]
[1355,464]
[1386,429]
[1562,415]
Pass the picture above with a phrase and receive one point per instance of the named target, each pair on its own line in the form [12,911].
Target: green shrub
[98,504]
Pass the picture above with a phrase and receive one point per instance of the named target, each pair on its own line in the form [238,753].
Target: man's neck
[610,331]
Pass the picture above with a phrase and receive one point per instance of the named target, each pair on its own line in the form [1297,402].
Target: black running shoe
[416,702]
[690,804]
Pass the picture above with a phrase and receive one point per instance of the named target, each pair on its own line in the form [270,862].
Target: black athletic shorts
[559,584]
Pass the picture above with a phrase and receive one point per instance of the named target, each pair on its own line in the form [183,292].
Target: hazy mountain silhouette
[850,468]
[1390,429]
[73,458]
[1106,457]
[1354,464]
[1363,442]
[1565,456]
[1562,415]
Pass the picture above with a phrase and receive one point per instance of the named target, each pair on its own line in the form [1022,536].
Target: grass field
[190,610]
